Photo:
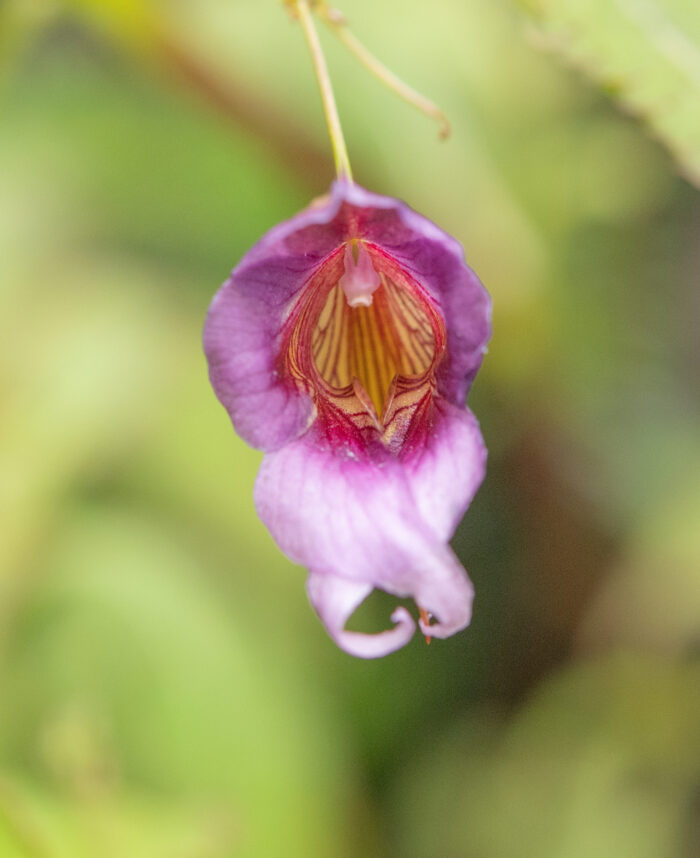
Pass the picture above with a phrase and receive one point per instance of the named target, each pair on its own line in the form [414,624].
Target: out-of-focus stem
[338,25]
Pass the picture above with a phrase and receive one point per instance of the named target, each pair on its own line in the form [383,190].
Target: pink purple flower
[343,345]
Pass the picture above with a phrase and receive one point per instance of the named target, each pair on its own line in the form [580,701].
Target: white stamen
[360,280]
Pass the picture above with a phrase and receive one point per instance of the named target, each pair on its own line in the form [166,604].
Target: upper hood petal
[242,334]
[436,260]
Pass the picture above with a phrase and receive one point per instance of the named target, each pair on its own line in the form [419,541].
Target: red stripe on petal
[369,368]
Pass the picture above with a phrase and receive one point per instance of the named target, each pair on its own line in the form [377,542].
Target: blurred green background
[165,689]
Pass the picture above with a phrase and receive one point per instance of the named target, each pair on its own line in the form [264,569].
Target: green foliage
[644,53]
[165,690]
[602,761]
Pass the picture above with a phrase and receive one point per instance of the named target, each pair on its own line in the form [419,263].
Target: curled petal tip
[445,629]
[401,616]
[448,600]
[335,599]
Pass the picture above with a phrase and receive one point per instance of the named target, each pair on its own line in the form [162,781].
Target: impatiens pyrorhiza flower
[343,345]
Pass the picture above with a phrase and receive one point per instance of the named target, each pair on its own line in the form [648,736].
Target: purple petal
[436,260]
[242,335]
[243,327]
[266,410]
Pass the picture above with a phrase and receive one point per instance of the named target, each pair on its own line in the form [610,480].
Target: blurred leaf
[126,671]
[166,690]
[20,22]
[133,165]
[602,761]
[78,393]
[135,23]
[36,823]
[652,599]
[645,53]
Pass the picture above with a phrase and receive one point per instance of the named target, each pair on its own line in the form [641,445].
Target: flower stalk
[338,25]
[340,152]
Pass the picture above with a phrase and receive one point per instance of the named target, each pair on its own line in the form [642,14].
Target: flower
[343,345]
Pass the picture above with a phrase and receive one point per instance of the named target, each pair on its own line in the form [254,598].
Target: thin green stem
[340,152]
[338,25]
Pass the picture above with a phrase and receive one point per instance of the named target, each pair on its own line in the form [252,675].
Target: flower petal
[436,260]
[265,411]
[447,468]
[335,599]
[375,521]
[243,328]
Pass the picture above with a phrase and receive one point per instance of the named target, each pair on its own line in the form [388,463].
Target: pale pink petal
[375,521]
[335,599]
[446,470]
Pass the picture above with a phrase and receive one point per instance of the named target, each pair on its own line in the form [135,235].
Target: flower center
[364,340]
